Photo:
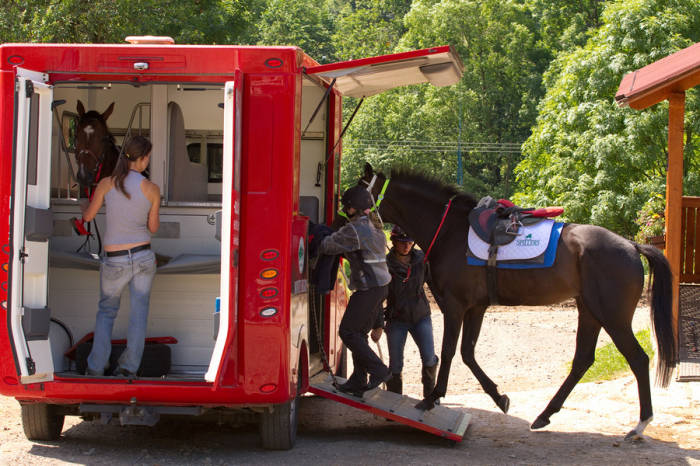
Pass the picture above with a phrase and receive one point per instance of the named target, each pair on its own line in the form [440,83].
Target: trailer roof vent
[162,40]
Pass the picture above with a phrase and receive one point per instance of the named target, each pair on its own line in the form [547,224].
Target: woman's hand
[376,334]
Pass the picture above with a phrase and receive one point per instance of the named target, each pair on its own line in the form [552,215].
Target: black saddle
[499,222]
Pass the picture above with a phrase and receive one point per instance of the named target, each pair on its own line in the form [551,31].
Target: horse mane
[432,186]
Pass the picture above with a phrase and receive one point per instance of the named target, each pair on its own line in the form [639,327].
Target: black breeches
[360,315]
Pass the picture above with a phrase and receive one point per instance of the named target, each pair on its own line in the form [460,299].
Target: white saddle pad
[530,242]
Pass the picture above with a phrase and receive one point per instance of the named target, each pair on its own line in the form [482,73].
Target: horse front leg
[471,329]
[452,320]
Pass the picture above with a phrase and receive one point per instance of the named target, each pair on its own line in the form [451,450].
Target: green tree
[601,162]
[495,102]
[563,24]
[304,23]
[369,27]
[107,21]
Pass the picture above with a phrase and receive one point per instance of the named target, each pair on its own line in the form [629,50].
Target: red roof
[655,82]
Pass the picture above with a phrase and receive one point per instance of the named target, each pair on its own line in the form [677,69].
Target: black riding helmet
[357,197]
[397,234]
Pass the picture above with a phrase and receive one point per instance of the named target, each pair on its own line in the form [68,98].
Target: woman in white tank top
[132,205]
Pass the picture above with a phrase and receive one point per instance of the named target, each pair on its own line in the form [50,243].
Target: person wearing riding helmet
[364,245]
[408,311]
[132,209]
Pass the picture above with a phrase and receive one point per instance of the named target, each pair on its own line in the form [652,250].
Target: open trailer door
[361,78]
[31,225]
[439,66]
[230,231]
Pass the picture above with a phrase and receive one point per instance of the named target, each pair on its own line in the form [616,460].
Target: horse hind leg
[471,329]
[627,344]
[586,338]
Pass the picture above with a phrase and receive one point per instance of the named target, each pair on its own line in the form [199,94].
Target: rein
[437,232]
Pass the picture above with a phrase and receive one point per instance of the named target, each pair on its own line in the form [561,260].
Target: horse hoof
[425,405]
[503,403]
[633,436]
[539,423]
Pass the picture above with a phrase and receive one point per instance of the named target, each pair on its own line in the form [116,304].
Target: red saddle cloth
[543,212]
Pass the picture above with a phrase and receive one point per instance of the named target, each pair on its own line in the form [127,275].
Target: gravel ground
[524,350]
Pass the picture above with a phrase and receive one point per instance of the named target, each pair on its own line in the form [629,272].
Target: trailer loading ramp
[441,420]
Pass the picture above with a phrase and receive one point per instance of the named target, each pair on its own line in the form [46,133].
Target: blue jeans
[136,270]
[422,333]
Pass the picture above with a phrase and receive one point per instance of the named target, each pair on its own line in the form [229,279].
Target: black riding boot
[395,384]
[428,376]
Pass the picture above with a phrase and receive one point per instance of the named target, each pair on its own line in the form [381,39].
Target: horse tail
[660,299]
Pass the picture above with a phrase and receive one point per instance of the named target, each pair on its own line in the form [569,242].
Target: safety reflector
[269,274]
[269,292]
[269,311]
[268,388]
[9,380]
[269,254]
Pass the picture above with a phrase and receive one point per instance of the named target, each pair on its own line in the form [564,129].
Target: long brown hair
[136,148]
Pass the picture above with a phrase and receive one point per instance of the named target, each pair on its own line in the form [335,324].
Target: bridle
[380,197]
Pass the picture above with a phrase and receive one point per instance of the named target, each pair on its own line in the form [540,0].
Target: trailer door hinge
[31,367]
[22,255]
[29,88]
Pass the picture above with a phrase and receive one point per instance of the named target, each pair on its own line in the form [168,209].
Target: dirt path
[524,351]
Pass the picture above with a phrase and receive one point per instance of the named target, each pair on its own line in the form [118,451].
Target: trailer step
[450,423]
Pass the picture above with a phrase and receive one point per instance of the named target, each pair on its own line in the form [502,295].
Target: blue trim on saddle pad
[549,254]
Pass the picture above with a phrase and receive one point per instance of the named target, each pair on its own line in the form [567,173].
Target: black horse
[95,150]
[601,270]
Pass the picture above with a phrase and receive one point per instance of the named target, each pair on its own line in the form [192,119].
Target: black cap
[397,234]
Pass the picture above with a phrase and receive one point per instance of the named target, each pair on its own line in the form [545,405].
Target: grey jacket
[364,246]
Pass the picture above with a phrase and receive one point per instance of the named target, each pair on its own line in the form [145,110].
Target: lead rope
[437,232]
[319,341]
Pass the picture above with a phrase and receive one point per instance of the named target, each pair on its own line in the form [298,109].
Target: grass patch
[610,364]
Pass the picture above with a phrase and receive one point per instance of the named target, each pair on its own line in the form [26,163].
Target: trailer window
[33,139]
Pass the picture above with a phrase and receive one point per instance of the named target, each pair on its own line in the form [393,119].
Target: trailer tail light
[269,254]
[268,388]
[269,274]
[269,292]
[268,311]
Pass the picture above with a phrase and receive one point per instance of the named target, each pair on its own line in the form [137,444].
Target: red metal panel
[7,79]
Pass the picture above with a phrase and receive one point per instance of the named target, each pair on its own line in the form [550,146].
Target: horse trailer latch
[141,65]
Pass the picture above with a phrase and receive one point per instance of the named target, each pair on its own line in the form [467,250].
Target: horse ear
[369,171]
[108,112]
[81,109]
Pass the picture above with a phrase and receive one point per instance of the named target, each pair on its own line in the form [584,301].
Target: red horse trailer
[246,153]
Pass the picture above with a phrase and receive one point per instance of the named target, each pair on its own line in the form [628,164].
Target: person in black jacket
[408,311]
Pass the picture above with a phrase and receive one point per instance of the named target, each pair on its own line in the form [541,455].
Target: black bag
[154,363]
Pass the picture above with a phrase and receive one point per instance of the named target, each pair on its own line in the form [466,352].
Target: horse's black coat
[599,269]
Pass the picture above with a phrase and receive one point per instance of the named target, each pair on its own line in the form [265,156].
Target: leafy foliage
[599,161]
[540,71]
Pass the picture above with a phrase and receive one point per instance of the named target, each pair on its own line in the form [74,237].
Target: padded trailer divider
[183,263]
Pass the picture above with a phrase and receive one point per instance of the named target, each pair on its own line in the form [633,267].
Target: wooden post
[674,194]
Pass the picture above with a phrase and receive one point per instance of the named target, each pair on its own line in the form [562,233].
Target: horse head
[94,146]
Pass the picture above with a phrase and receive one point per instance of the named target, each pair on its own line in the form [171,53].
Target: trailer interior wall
[182,303]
